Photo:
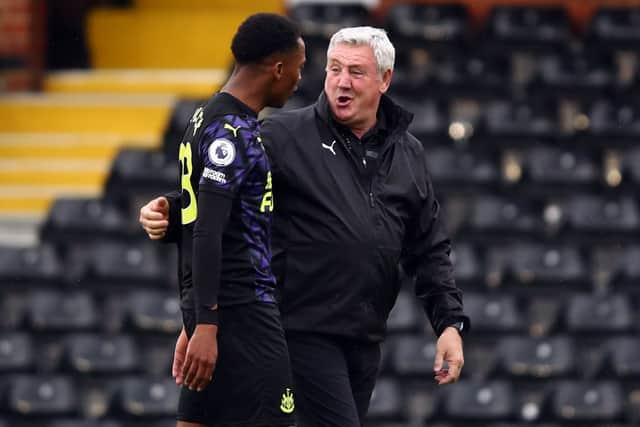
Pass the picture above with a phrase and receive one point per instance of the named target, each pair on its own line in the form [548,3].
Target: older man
[353,200]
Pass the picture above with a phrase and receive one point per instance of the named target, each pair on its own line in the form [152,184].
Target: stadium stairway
[144,57]
[62,144]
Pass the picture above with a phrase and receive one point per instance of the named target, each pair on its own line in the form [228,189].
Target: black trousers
[333,377]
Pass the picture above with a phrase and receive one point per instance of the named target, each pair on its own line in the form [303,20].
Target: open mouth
[343,100]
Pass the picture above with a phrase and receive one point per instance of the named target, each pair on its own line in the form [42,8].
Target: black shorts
[251,383]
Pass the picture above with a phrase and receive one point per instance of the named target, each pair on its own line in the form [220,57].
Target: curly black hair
[263,34]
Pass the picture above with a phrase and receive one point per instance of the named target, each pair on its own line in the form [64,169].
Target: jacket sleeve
[426,256]
[173,231]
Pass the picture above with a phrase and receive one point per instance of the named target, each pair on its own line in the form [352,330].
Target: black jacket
[341,228]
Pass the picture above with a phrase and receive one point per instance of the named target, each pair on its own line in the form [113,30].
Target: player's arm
[226,161]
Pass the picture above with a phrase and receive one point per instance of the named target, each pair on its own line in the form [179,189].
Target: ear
[386,81]
[278,68]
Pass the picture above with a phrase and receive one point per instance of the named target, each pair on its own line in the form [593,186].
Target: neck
[245,85]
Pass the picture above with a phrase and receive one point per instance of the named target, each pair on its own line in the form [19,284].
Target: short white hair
[376,38]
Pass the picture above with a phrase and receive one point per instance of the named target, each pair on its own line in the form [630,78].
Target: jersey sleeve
[229,151]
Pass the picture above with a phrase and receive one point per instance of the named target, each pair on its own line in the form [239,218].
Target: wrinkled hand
[202,354]
[154,218]
[449,349]
[179,357]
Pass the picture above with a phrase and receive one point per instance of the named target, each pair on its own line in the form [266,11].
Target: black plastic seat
[320,20]
[532,26]
[17,352]
[507,118]
[522,357]
[138,172]
[143,397]
[600,314]
[89,354]
[386,400]
[154,311]
[450,167]
[532,263]
[555,166]
[41,396]
[180,117]
[404,315]
[495,215]
[614,119]
[597,214]
[81,220]
[619,26]
[119,263]
[431,23]
[468,266]
[621,358]
[413,355]
[491,401]
[53,310]
[37,265]
[68,422]
[587,402]
[494,313]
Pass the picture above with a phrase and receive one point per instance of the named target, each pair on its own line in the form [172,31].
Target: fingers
[154,218]
[450,375]
[197,373]
[437,364]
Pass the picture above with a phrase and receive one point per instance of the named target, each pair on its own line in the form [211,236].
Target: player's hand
[202,354]
[154,218]
[449,349]
[179,357]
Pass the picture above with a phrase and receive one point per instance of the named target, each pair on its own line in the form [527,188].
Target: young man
[354,200]
[231,355]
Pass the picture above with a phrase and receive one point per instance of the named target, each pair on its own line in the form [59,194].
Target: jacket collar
[397,119]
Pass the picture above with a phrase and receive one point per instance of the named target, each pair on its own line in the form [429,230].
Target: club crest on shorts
[286,404]
[222,152]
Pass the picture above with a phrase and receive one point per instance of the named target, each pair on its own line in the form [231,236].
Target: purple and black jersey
[222,153]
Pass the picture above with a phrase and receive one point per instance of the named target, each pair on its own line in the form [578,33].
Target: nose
[344,80]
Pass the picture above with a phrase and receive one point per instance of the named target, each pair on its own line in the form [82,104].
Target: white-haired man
[353,200]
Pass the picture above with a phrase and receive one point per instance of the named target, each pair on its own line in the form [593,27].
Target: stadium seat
[82,220]
[87,354]
[430,116]
[31,395]
[532,27]
[608,118]
[494,313]
[17,352]
[430,23]
[477,401]
[621,358]
[178,122]
[449,167]
[540,264]
[405,315]
[138,173]
[39,265]
[468,265]
[154,311]
[588,313]
[413,355]
[576,401]
[386,400]
[511,119]
[56,310]
[590,213]
[422,401]
[522,357]
[616,26]
[553,166]
[143,397]
[502,216]
[321,20]
[85,423]
[129,264]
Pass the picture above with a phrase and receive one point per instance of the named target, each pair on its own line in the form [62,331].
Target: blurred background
[531,117]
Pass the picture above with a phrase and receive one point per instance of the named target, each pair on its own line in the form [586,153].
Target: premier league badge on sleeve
[222,152]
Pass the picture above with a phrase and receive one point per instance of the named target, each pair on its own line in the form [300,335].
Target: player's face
[353,85]
[291,73]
